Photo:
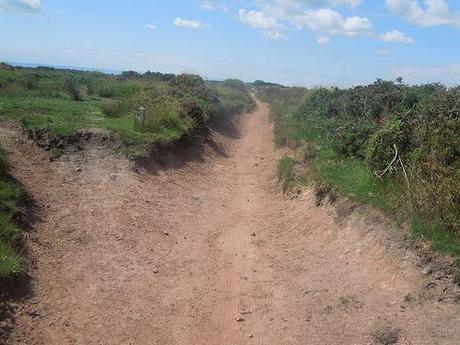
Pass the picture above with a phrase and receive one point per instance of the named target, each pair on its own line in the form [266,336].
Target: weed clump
[386,336]
[285,172]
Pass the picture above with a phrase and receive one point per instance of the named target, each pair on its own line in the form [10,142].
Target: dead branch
[380,174]
[405,174]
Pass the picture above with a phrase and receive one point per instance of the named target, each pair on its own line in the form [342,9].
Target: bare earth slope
[210,253]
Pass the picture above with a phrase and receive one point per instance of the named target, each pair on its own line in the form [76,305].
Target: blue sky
[294,42]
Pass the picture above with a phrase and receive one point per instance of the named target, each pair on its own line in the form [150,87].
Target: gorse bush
[195,98]
[350,139]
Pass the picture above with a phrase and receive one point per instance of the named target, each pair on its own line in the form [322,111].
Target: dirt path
[211,253]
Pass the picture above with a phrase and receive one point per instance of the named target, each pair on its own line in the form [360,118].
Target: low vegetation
[10,194]
[63,102]
[388,144]
[232,97]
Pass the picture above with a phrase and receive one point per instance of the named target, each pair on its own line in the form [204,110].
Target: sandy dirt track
[210,253]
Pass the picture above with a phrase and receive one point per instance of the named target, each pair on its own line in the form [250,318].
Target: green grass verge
[10,194]
[285,172]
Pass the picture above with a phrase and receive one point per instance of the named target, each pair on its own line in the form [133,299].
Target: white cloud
[382,51]
[283,15]
[350,3]
[356,26]
[323,40]
[396,36]
[431,13]
[275,35]
[258,20]
[152,27]
[190,24]
[209,5]
[332,22]
[26,6]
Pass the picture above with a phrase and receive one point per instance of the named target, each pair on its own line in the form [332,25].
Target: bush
[30,82]
[350,139]
[232,98]
[195,98]
[106,91]
[410,132]
[113,109]
[162,112]
[73,89]
[380,150]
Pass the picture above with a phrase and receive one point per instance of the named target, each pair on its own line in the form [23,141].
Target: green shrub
[30,82]
[162,112]
[232,97]
[113,109]
[350,139]
[381,148]
[165,113]
[73,89]
[195,98]
[106,90]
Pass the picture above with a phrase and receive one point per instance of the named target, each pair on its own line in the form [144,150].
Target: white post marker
[140,117]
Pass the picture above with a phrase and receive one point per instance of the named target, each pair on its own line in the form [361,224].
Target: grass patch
[10,262]
[64,102]
[441,239]
[113,109]
[56,152]
[285,172]
[10,194]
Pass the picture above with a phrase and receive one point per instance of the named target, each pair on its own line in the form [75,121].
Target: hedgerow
[394,145]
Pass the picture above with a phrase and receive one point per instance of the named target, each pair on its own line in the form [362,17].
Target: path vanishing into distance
[210,252]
